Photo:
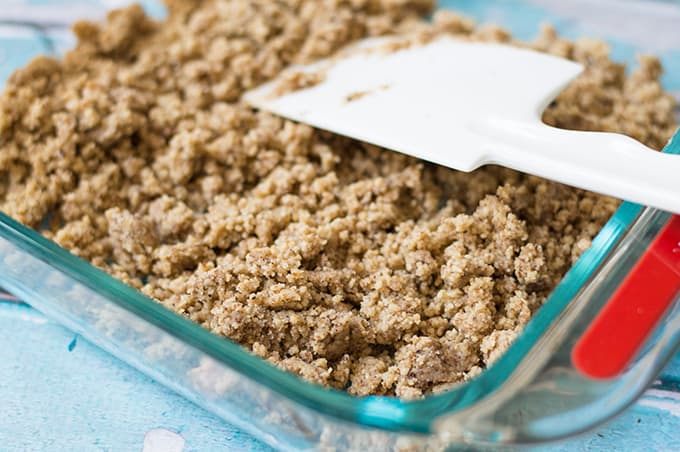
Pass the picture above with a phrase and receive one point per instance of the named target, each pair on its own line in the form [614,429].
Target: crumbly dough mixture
[352,266]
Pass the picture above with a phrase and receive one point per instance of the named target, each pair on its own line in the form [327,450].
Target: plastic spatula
[463,105]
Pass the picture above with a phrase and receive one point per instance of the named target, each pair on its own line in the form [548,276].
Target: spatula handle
[607,163]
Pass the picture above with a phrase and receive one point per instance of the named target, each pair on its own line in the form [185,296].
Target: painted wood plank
[59,392]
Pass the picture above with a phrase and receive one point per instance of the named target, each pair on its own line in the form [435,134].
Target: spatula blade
[429,101]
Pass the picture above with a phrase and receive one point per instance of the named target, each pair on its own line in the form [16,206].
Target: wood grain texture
[59,392]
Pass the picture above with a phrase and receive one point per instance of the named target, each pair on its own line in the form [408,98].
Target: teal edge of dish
[375,411]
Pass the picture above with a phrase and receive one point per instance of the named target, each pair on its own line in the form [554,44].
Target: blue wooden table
[59,392]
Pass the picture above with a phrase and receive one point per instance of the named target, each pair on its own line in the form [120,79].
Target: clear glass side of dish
[546,397]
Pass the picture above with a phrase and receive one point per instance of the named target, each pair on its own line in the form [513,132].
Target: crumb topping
[352,266]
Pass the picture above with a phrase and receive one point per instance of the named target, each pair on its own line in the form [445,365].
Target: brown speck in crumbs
[361,94]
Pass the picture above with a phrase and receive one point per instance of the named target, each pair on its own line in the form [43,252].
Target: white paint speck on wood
[162,440]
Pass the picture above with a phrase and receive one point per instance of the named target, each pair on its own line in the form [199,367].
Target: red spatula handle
[620,329]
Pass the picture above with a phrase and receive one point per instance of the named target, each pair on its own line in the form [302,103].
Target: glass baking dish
[533,393]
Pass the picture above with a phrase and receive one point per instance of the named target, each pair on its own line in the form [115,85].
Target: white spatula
[462,105]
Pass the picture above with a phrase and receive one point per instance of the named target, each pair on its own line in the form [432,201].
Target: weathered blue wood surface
[58,392]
